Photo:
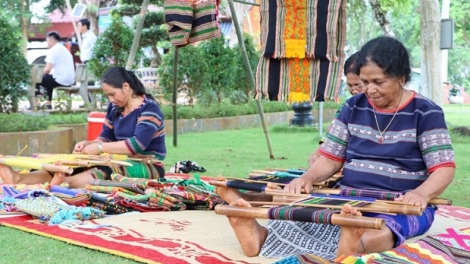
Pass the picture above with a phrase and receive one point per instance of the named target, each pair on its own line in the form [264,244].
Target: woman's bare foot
[350,241]
[8,175]
[227,194]
[250,234]
[58,179]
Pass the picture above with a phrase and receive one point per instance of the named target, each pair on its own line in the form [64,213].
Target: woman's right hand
[80,146]
[298,186]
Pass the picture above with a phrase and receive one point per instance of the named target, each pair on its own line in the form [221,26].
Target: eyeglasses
[356,87]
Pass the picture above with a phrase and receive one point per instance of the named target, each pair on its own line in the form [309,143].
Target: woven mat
[178,237]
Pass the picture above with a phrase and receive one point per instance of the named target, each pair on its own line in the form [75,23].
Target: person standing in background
[86,49]
[88,40]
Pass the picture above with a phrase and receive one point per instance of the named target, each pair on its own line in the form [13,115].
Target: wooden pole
[250,74]
[138,32]
[336,219]
[175,95]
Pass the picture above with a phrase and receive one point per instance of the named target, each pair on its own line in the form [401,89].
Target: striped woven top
[416,143]
[143,129]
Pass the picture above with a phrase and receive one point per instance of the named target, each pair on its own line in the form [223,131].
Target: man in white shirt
[88,40]
[59,70]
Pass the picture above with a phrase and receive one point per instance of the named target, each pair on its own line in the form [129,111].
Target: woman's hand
[298,185]
[80,146]
[92,149]
[414,198]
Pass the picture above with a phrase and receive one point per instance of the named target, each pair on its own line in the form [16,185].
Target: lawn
[230,153]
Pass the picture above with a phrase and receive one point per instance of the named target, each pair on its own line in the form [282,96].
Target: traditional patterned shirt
[415,144]
[143,129]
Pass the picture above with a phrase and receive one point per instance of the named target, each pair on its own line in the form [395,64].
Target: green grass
[231,153]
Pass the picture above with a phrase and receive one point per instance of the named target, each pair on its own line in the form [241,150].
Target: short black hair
[389,54]
[350,64]
[85,22]
[54,35]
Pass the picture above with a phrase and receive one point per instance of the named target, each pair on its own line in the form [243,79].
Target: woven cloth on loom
[190,21]
[303,50]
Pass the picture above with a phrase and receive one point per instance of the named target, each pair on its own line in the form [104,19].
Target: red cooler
[95,124]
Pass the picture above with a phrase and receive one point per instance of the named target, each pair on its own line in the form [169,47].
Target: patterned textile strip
[389,196]
[137,187]
[304,259]
[458,255]
[140,206]
[107,189]
[150,183]
[431,251]
[249,186]
[295,37]
[454,238]
[133,198]
[273,178]
[289,238]
[299,80]
[179,18]
[140,170]
[78,200]
[268,79]
[268,9]
[415,254]
[312,18]
[327,200]
[314,215]
[194,201]
[167,201]
[205,25]
[109,208]
[333,26]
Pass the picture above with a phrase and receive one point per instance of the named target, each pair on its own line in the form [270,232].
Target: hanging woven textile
[190,21]
[302,43]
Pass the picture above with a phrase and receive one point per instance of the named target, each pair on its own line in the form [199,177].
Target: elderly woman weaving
[387,138]
[134,126]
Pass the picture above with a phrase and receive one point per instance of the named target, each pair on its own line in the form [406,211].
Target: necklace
[381,133]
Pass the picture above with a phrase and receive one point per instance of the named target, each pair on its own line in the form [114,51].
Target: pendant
[381,139]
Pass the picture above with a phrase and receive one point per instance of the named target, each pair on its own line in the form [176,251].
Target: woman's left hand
[91,149]
[414,198]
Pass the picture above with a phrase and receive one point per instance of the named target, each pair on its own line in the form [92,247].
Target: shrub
[14,69]
[20,122]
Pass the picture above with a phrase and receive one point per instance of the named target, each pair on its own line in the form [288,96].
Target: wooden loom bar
[435,201]
[376,207]
[336,219]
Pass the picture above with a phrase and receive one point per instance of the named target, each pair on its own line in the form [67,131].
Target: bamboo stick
[375,207]
[434,201]
[365,209]
[336,219]
[35,165]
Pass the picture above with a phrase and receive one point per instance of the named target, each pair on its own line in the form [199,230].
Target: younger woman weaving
[134,126]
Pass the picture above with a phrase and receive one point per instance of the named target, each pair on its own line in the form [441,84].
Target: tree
[430,49]
[459,56]
[244,83]
[112,46]
[154,30]
[222,61]
[192,69]
[13,66]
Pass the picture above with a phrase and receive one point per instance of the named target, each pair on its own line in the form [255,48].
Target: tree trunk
[156,58]
[381,17]
[93,16]
[24,22]
[431,83]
